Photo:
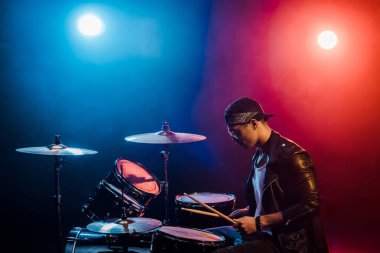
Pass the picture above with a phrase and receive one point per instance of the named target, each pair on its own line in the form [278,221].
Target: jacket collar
[270,148]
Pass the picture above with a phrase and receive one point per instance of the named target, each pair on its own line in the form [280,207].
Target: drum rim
[121,177]
[233,198]
[188,240]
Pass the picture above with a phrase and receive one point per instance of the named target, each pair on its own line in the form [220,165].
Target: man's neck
[264,137]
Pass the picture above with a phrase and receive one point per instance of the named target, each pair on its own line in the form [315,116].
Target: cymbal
[57,150]
[165,136]
[129,226]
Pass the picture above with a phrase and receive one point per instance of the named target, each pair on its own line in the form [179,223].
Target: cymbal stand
[57,150]
[124,220]
[58,165]
[165,156]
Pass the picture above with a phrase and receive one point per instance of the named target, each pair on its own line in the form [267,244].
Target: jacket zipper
[270,183]
[279,187]
[274,199]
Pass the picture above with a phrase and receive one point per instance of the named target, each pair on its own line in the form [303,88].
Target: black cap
[243,110]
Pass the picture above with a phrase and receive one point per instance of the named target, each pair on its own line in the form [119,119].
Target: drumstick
[200,212]
[212,209]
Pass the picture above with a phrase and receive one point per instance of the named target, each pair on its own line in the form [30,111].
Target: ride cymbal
[165,136]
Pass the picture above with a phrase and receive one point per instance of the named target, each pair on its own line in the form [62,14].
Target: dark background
[184,62]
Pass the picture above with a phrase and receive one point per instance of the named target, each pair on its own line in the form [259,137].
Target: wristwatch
[259,228]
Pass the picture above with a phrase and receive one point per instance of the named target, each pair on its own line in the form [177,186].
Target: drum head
[224,203]
[138,176]
[191,234]
[206,197]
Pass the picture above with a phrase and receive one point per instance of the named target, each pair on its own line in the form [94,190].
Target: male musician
[281,189]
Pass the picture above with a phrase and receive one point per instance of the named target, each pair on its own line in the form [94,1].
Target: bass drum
[170,239]
[224,203]
[132,180]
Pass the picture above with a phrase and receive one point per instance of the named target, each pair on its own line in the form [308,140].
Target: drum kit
[119,202]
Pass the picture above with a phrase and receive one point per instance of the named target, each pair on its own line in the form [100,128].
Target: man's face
[244,134]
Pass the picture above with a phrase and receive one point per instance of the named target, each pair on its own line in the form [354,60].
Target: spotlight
[90,25]
[327,40]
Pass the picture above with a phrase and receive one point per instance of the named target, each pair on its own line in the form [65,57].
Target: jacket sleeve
[305,190]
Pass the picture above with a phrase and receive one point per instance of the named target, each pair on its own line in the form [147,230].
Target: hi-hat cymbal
[165,136]
[128,226]
[56,149]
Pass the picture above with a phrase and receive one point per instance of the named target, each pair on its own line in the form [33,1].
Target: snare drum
[130,179]
[224,203]
[170,239]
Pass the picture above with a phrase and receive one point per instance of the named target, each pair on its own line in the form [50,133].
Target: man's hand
[246,225]
[238,213]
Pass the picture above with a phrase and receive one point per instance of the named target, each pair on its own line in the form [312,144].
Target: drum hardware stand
[57,198]
[165,156]
[58,165]
[124,218]
[166,137]
[57,150]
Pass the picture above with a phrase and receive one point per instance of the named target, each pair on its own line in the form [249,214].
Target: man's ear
[254,123]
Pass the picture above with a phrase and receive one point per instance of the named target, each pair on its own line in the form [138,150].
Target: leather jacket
[290,187]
